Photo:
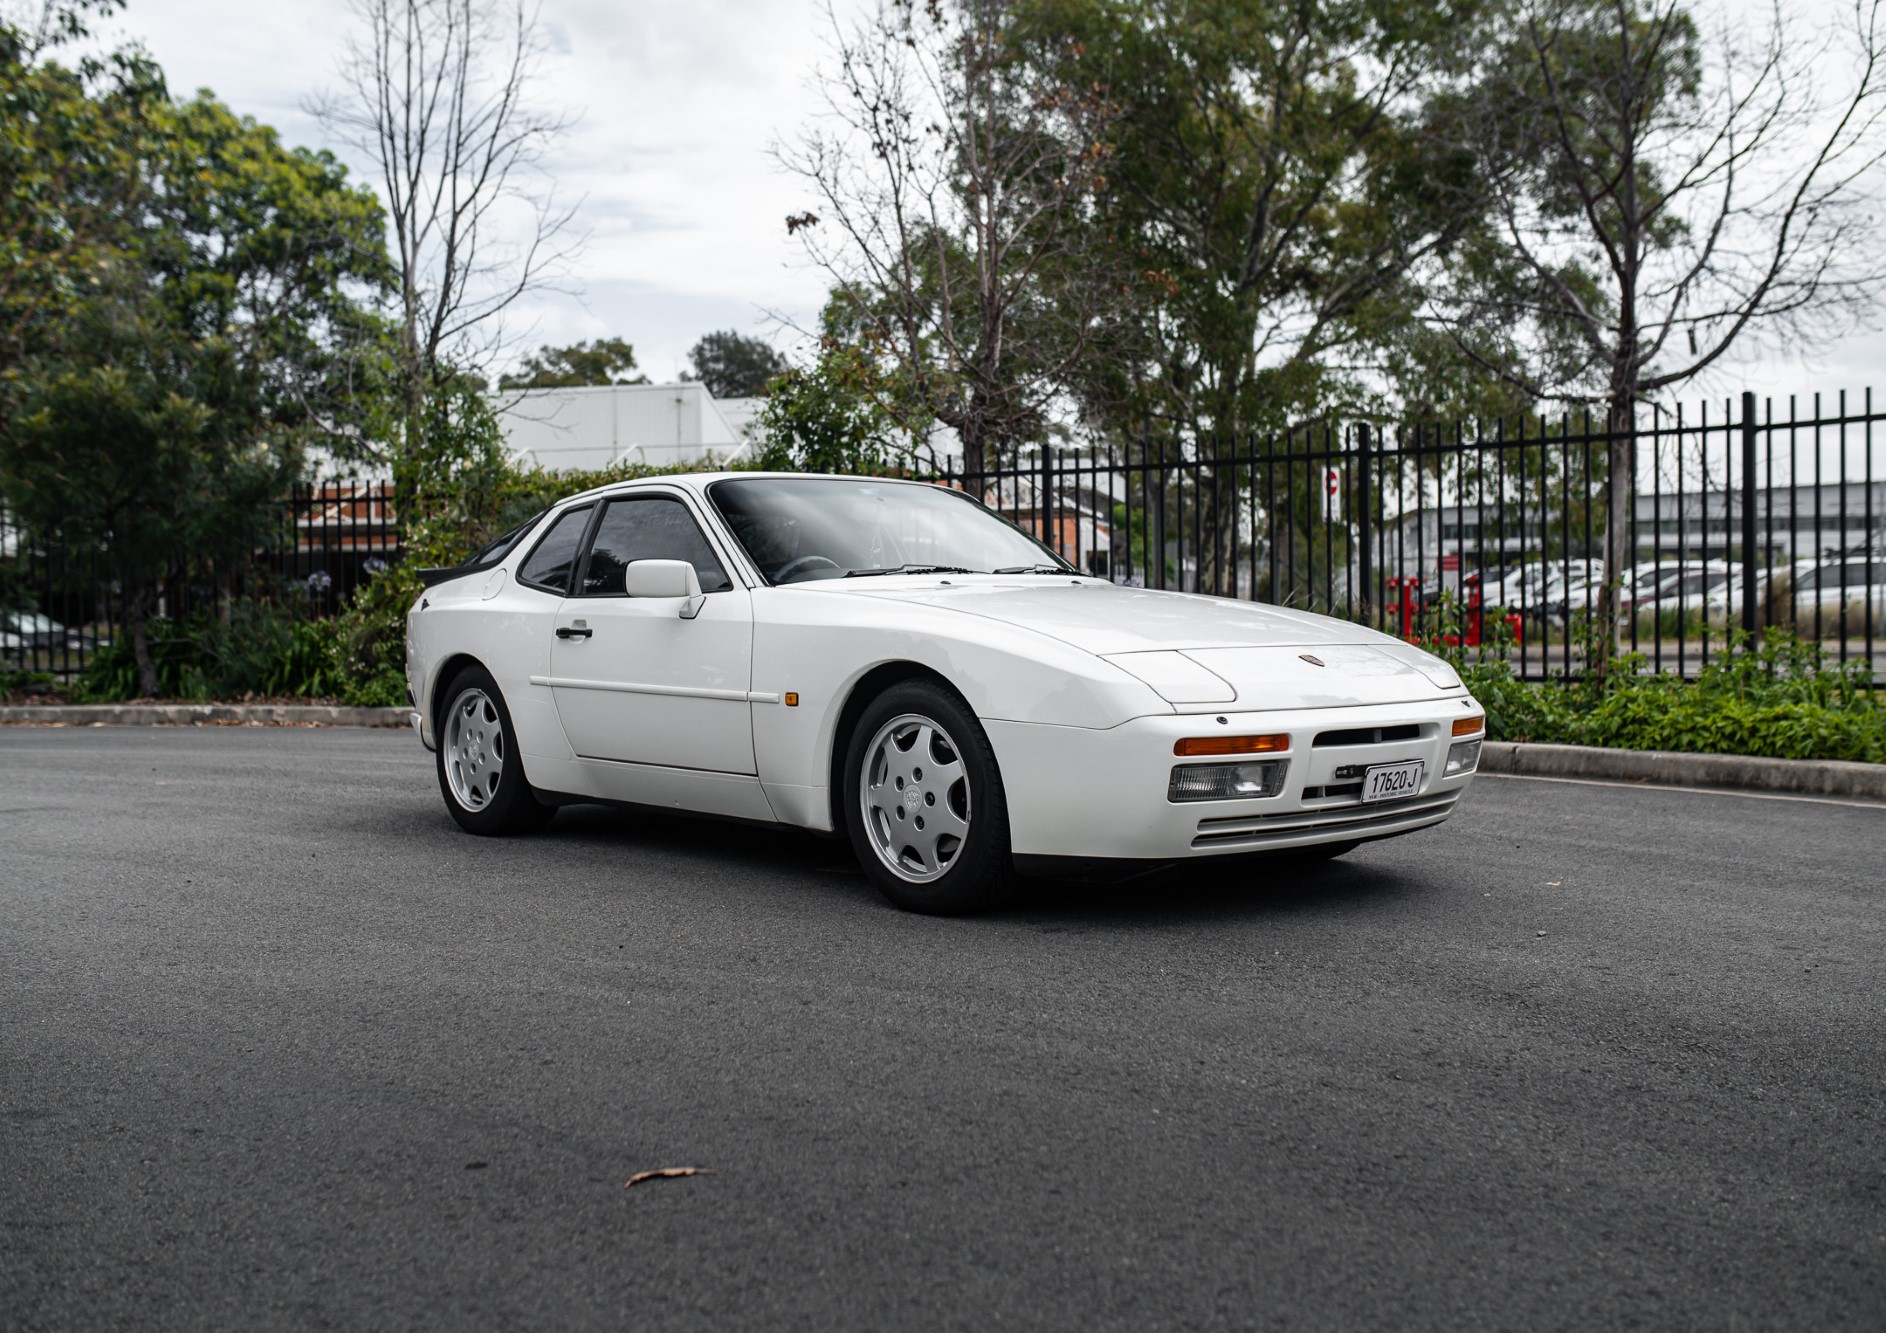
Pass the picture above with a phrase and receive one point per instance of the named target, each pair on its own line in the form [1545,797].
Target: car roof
[700,481]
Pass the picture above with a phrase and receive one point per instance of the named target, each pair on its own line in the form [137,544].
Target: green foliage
[262,649]
[604,361]
[24,686]
[1276,191]
[833,417]
[222,309]
[1784,701]
[732,365]
[71,140]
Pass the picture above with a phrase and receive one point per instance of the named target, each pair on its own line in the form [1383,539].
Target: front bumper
[1086,795]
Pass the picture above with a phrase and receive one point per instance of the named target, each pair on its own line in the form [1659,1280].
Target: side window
[650,528]
[548,567]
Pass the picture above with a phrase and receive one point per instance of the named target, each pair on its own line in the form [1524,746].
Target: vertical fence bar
[1875,555]
[1565,530]
[1702,500]
[1750,625]
[1365,533]
[1845,631]
[1630,530]
[1682,554]
[1820,546]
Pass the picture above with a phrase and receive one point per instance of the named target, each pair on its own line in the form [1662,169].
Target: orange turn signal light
[792,699]
[1197,745]
[1469,726]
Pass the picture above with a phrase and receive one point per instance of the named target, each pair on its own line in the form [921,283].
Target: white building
[659,424]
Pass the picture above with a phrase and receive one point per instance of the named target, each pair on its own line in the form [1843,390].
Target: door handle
[574,631]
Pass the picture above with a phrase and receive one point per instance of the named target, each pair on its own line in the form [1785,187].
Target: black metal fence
[59,605]
[1742,518]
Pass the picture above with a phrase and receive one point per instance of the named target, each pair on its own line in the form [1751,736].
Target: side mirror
[667,579]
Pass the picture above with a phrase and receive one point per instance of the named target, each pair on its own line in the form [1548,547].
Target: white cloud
[676,103]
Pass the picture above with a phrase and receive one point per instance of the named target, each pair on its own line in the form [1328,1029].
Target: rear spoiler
[431,578]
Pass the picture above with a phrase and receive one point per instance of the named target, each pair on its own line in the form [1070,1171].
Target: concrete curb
[186,715]
[1806,777]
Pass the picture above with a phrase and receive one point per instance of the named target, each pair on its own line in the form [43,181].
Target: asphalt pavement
[281,1047]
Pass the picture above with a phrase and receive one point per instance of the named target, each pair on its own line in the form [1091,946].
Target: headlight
[1175,677]
[1227,782]
[1463,757]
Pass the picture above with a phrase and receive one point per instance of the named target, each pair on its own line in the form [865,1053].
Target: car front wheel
[924,802]
[480,771]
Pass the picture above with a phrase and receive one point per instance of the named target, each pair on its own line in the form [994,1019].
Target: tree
[156,416]
[604,361]
[1276,198]
[1658,198]
[837,416]
[70,139]
[952,182]
[436,97]
[734,366]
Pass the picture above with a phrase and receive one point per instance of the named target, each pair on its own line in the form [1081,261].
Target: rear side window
[648,528]
[548,567]
[501,546]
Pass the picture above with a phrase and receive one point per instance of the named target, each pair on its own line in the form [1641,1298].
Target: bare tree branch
[435,95]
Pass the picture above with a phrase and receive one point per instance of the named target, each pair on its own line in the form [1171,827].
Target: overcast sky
[679,100]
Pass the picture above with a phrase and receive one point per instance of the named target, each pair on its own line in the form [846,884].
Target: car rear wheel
[480,772]
[924,802]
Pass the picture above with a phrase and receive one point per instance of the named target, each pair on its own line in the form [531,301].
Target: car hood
[1105,619]
[1232,651]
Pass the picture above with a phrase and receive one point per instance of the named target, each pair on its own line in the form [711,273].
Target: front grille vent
[1332,791]
[1298,827]
[1368,735]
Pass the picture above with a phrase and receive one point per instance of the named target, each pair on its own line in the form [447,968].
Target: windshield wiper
[1037,569]
[911,569]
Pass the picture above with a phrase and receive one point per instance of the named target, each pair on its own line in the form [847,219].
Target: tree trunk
[975,456]
[140,644]
[1620,485]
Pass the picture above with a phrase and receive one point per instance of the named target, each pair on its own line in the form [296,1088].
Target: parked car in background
[895,663]
[1672,585]
[1852,584]
[30,630]
[1545,588]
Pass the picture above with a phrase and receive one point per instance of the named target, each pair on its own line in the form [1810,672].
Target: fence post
[1045,497]
[1750,623]
[1365,537]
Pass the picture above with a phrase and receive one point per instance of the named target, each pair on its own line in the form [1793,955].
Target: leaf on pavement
[668,1173]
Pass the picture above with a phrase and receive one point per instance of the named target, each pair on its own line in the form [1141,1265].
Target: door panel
[648,687]
[634,680]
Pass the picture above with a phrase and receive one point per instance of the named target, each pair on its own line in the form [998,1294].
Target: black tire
[979,867]
[496,800]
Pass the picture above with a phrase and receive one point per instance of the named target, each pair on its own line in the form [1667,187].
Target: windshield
[798,529]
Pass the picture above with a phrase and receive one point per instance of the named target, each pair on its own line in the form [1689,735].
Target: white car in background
[1853,584]
[894,662]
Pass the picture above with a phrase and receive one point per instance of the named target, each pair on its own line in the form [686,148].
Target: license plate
[1388,782]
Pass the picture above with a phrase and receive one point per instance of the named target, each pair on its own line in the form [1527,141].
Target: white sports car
[895,661]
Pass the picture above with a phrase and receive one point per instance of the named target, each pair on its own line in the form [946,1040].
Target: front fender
[818,646]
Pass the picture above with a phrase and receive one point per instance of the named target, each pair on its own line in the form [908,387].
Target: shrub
[1785,700]
[266,648]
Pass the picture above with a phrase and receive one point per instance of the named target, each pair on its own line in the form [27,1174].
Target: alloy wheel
[915,796]
[474,748]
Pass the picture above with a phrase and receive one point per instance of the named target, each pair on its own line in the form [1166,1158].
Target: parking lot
[279,1046]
